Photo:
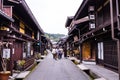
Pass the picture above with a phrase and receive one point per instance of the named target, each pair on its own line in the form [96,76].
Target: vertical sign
[91,14]
[6,53]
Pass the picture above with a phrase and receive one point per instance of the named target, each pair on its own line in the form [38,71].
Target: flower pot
[4,75]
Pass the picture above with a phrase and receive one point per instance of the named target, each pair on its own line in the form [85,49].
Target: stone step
[22,75]
[100,79]
[82,67]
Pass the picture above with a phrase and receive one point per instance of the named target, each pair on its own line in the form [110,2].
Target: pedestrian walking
[57,51]
[60,52]
[54,53]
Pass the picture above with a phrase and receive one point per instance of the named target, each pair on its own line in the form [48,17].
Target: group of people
[57,53]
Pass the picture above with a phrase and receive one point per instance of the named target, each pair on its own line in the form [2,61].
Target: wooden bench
[28,63]
[22,75]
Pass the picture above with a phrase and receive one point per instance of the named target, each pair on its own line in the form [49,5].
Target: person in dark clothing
[60,52]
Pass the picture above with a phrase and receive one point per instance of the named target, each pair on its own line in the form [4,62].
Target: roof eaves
[25,6]
[68,21]
[80,9]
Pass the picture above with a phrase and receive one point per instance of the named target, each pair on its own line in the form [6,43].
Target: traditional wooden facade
[21,34]
[96,23]
[5,21]
[46,44]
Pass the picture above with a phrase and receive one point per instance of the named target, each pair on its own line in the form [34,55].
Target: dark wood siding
[28,31]
[106,13]
[99,18]
[17,51]
[16,23]
[119,5]
[93,50]
[114,8]
[110,54]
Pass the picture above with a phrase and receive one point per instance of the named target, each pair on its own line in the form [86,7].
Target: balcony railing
[7,10]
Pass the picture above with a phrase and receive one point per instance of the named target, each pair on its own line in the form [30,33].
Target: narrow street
[87,32]
[50,69]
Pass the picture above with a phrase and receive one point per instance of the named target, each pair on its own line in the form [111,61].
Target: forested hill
[54,37]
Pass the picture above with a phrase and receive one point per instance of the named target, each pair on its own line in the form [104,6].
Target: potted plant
[4,57]
[4,75]
[20,64]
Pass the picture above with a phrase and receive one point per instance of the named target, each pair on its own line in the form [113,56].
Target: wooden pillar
[69,48]
[118,50]
[80,45]
[0,55]
[40,45]
[65,50]
[11,58]
[118,25]
[1,48]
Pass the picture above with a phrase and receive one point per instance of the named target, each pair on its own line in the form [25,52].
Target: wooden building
[5,21]
[20,33]
[96,24]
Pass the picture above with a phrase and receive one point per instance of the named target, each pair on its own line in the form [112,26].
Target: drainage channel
[91,74]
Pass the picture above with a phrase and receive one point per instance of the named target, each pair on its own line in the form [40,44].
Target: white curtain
[100,51]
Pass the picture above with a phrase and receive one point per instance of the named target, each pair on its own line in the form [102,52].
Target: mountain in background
[54,37]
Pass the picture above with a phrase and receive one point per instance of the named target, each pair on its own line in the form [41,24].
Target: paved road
[50,69]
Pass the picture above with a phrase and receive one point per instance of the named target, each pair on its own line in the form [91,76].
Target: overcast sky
[52,14]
